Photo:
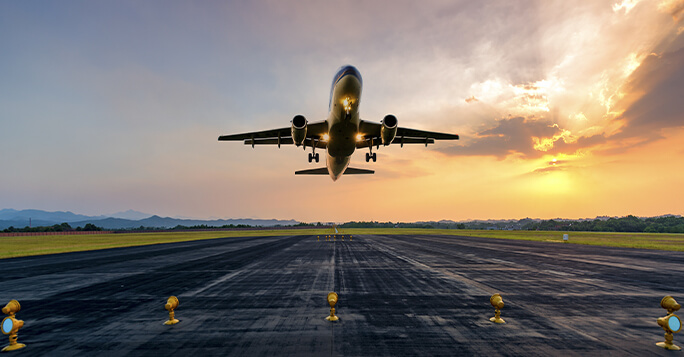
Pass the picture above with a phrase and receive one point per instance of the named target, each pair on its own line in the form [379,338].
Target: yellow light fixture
[326,137]
[171,304]
[497,302]
[359,137]
[670,323]
[10,325]
[332,301]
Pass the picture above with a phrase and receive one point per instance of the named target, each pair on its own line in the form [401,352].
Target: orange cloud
[471,99]
[672,7]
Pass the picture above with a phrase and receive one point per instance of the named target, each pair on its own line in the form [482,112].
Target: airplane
[342,132]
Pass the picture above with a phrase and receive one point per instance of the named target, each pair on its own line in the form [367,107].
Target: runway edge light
[670,323]
[332,301]
[10,325]
[497,301]
[171,304]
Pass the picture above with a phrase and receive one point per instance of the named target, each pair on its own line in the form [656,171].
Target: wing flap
[371,131]
[314,131]
[396,141]
[413,133]
[283,132]
[270,141]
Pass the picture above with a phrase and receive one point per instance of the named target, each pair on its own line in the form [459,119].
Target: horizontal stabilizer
[353,171]
[324,171]
[318,171]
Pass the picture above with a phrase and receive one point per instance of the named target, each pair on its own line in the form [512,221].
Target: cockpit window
[343,71]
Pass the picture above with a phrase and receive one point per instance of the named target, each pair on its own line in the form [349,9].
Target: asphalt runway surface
[398,296]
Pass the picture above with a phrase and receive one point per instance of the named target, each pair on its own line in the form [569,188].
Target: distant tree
[91,227]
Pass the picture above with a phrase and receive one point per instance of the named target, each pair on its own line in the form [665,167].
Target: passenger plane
[342,132]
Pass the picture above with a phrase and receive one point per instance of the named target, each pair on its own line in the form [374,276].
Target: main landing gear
[370,156]
[313,157]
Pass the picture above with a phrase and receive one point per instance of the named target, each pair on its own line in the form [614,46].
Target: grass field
[39,245]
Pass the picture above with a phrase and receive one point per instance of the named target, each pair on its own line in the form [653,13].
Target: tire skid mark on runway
[489,289]
[24,267]
[380,296]
[553,261]
[576,326]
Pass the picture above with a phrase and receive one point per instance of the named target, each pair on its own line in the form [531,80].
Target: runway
[398,296]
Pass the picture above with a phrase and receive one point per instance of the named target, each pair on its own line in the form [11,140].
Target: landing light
[326,137]
[359,137]
[347,102]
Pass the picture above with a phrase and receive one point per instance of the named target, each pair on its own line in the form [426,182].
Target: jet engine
[389,129]
[298,129]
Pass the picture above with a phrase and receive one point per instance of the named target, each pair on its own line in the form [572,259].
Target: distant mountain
[167,222]
[38,215]
[121,220]
[130,214]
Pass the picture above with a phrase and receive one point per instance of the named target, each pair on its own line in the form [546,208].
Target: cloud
[653,101]
[508,136]
[627,5]
[672,7]
[471,99]
[547,169]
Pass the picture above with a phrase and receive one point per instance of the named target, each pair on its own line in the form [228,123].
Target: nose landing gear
[313,157]
[371,156]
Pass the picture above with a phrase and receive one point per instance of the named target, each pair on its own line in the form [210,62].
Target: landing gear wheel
[367,157]
[375,156]
[310,157]
[316,157]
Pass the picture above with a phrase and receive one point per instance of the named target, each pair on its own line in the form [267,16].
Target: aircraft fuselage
[343,119]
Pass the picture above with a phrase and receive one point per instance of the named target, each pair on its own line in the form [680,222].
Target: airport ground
[399,295]
[21,246]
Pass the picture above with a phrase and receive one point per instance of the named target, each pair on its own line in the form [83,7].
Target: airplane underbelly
[336,165]
[342,140]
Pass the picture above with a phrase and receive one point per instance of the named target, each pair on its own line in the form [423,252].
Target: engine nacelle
[298,129]
[389,129]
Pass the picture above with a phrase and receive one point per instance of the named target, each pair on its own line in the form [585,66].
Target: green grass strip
[40,245]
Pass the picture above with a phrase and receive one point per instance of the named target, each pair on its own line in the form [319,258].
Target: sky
[565,109]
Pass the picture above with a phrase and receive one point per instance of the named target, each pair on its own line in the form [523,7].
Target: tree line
[64,227]
[666,224]
[663,224]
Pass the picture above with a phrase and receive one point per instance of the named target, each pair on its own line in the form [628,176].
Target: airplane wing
[371,132]
[281,136]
